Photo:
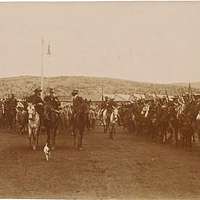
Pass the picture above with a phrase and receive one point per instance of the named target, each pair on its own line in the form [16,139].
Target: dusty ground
[127,168]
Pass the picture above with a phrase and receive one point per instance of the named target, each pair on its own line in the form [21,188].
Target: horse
[114,117]
[10,116]
[92,118]
[79,121]
[33,125]
[2,114]
[106,120]
[197,125]
[66,117]
[143,119]
[21,120]
[51,122]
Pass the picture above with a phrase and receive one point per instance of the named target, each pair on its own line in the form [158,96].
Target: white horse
[33,125]
[114,117]
[106,120]
[92,118]
[145,110]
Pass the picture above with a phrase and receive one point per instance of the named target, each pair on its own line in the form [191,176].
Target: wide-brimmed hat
[51,90]
[38,90]
[74,92]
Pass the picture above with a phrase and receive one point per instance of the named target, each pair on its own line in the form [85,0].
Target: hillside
[90,87]
[193,84]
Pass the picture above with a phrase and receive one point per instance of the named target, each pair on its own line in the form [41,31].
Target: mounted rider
[77,102]
[77,107]
[52,102]
[12,102]
[10,109]
[111,105]
[107,104]
[104,103]
[37,101]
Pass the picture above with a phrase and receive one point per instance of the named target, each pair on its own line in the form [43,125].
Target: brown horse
[51,122]
[79,123]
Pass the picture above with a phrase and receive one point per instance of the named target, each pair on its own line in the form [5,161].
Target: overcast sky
[140,41]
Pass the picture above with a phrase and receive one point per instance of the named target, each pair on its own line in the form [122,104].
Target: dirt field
[127,168]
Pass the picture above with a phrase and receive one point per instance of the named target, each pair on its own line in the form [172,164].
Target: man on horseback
[52,100]
[37,101]
[79,118]
[77,100]
[52,103]
[51,116]
[11,110]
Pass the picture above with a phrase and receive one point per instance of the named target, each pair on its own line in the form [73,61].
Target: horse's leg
[29,135]
[34,138]
[176,132]
[37,136]
[111,132]
[80,138]
[108,125]
[54,138]
[48,135]
[14,121]
[104,127]
[74,136]
[9,121]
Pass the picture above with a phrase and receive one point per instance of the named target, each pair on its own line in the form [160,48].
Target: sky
[141,41]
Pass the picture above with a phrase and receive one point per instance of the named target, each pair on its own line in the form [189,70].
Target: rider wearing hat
[36,100]
[77,101]
[52,100]
[104,103]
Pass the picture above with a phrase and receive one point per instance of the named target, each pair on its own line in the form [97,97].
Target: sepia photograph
[100,100]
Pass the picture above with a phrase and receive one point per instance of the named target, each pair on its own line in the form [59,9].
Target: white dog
[47,151]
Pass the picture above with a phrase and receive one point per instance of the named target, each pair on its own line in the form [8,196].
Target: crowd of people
[175,119]
[12,109]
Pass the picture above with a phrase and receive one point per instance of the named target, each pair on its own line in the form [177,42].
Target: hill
[195,85]
[90,87]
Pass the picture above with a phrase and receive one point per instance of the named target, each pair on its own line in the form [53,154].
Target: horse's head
[31,111]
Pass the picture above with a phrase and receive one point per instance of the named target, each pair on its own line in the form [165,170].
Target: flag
[189,89]
[102,96]
[49,50]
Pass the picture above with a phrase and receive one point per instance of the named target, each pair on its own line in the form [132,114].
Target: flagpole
[102,96]
[42,67]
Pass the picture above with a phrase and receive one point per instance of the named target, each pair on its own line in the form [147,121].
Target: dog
[47,151]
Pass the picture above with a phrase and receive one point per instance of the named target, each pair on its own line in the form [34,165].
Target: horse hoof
[34,148]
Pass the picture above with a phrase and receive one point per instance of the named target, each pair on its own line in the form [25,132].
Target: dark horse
[79,121]
[51,121]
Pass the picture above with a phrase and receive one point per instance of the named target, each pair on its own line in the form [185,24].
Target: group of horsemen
[165,119]
[11,105]
[177,117]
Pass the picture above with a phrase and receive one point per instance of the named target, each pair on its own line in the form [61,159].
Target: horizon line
[101,77]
